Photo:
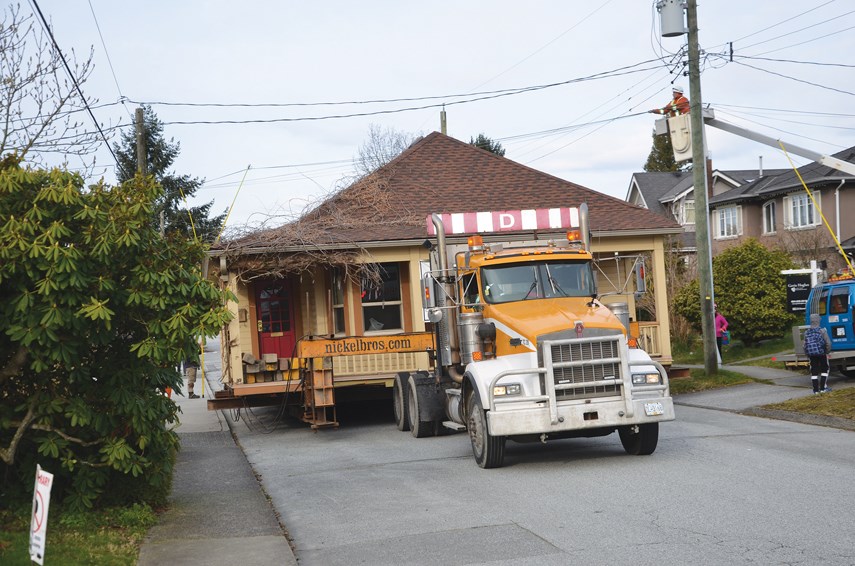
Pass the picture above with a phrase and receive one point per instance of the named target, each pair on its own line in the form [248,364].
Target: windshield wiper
[556,288]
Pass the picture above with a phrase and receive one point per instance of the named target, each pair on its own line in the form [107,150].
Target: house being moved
[353,266]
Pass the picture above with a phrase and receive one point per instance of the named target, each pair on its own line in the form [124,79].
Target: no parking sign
[38,525]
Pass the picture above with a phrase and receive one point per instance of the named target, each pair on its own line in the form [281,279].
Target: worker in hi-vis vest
[678,105]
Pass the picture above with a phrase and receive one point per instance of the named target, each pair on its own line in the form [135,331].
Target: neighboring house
[769,205]
[670,194]
[309,278]
[776,210]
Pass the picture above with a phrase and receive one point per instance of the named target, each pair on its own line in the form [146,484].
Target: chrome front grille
[583,368]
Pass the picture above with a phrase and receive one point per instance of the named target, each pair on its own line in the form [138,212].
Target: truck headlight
[509,389]
[646,379]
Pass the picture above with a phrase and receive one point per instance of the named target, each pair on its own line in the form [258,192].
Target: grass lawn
[734,352]
[104,537]
[698,380]
[838,403]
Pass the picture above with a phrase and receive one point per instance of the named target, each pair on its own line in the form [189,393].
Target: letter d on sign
[506,221]
[38,525]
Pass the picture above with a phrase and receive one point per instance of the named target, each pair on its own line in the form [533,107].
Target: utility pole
[699,178]
[140,134]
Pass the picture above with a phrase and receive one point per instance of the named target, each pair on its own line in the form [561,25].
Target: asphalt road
[721,488]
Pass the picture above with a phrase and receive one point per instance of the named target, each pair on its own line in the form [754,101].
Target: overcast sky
[601,64]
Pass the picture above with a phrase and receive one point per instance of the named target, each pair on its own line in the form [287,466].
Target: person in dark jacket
[817,345]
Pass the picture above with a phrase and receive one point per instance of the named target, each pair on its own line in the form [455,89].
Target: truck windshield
[537,280]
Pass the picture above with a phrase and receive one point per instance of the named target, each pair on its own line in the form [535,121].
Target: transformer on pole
[671,18]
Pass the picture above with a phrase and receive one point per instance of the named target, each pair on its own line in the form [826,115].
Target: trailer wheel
[848,373]
[489,450]
[418,428]
[401,401]
[640,443]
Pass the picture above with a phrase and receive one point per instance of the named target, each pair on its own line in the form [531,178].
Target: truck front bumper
[510,421]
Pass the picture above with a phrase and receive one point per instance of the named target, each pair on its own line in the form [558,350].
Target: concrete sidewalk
[749,398]
[218,513]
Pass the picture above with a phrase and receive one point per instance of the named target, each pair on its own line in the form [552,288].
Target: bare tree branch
[38,99]
[8,454]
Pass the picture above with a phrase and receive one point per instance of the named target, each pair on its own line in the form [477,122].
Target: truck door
[840,321]
[275,311]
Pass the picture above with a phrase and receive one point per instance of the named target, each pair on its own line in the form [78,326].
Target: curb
[804,418]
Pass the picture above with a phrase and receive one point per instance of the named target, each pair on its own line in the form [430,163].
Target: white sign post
[38,525]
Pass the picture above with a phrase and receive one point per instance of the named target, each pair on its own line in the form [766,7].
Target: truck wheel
[401,401]
[489,450]
[848,373]
[419,429]
[640,443]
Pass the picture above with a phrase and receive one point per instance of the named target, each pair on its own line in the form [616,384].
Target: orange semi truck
[524,349]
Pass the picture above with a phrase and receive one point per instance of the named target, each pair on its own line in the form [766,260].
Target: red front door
[275,311]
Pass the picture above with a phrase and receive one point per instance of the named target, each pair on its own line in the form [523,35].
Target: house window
[800,211]
[688,212]
[381,300]
[338,282]
[729,224]
[769,217]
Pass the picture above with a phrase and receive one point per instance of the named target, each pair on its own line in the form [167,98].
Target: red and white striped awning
[507,221]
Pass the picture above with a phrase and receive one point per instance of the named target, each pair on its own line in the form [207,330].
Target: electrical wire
[781,22]
[811,40]
[795,79]
[816,63]
[107,54]
[832,19]
[778,129]
[71,76]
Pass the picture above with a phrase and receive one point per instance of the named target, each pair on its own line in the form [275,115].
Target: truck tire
[641,443]
[401,401]
[848,373]
[489,450]
[418,428]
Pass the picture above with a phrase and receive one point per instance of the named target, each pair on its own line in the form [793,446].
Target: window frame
[770,224]
[795,204]
[338,284]
[720,219]
[393,303]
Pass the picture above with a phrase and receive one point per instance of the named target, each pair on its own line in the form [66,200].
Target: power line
[795,79]
[107,54]
[71,76]
[502,92]
[811,40]
[608,74]
[782,22]
[798,30]
[816,63]
[830,114]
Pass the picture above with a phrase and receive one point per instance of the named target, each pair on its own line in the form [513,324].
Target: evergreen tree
[661,156]
[171,212]
[490,145]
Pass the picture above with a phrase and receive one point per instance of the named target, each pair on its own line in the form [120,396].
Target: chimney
[761,166]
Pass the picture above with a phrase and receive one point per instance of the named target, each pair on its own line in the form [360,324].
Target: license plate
[653,409]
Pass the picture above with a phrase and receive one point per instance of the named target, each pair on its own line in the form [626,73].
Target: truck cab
[527,352]
[834,302]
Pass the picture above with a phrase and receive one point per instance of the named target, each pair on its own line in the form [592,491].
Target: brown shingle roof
[439,174]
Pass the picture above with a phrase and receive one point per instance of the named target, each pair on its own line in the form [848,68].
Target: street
[721,488]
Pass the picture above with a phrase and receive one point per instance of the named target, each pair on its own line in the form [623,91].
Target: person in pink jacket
[720,327]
